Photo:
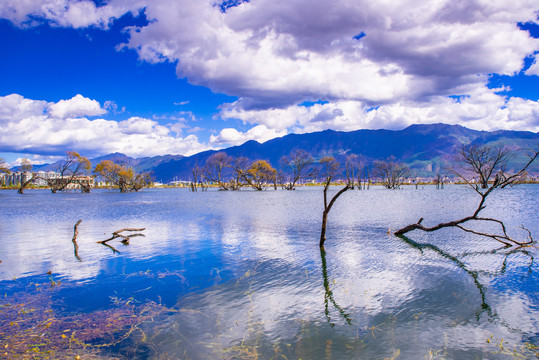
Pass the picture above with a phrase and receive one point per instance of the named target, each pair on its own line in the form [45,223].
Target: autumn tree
[73,166]
[300,164]
[391,173]
[488,164]
[330,169]
[259,175]
[122,176]
[3,166]
[213,171]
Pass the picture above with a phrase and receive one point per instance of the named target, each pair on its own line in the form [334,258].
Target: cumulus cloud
[75,107]
[67,13]
[533,69]
[376,64]
[484,109]
[274,55]
[260,133]
[40,127]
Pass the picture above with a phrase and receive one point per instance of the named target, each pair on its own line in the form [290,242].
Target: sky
[156,77]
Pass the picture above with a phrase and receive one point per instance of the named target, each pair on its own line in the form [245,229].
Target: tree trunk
[324,225]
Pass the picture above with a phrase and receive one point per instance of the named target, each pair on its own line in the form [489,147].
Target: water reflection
[328,297]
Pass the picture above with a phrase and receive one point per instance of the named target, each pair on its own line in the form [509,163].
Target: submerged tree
[300,164]
[353,169]
[240,165]
[27,176]
[483,161]
[260,174]
[490,169]
[122,176]
[213,171]
[330,168]
[197,182]
[392,173]
[69,169]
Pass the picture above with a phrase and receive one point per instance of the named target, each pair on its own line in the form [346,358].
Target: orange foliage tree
[122,176]
[69,169]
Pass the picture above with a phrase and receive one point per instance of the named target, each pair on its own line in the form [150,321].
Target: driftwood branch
[125,238]
[127,229]
[74,240]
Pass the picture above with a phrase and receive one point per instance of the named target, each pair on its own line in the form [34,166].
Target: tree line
[76,170]
[233,173]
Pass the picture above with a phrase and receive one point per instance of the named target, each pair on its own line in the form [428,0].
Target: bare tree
[197,178]
[73,166]
[27,176]
[483,161]
[439,181]
[240,165]
[213,170]
[300,163]
[391,172]
[330,168]
[484,171]
[353,170]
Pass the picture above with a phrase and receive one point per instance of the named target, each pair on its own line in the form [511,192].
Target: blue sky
[180,76]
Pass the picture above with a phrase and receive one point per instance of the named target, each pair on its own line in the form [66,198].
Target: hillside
[425,148]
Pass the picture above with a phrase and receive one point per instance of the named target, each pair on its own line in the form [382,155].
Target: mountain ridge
[425,148]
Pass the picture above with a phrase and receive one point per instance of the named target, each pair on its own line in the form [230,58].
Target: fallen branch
[484,162]
[125,238]
[127,229]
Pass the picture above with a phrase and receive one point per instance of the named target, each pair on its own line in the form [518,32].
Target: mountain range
[427,149]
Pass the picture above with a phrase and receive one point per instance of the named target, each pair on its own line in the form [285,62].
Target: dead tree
[489,171]
[483,161]
[330,170]
[196,171]
[391,172]
[353,169]
[300,164]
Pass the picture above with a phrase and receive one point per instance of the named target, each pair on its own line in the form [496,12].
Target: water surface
[240,274]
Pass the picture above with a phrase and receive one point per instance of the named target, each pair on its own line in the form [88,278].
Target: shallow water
[244,277]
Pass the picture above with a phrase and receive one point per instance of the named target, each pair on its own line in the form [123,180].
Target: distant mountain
[425,148]
[142,164]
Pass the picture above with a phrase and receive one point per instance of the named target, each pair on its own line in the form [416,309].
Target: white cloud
[76,106]
[273,54]
[482,110]
[67,13]
[410,57]
[533,69]
[230,136]
[40,127]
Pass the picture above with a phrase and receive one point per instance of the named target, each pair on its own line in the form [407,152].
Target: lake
[239,275]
